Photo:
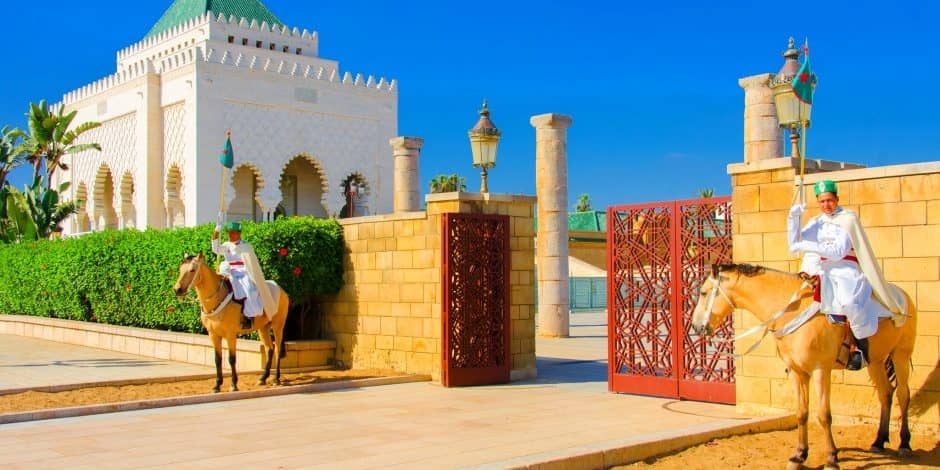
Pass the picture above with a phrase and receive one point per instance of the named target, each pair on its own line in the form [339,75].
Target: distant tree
[584,203]
[448,183]
[706,192]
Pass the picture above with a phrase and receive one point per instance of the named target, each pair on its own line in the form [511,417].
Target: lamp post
[484,138]
[792,113]
[352,193]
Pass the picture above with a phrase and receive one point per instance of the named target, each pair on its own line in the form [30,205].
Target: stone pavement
[566,417]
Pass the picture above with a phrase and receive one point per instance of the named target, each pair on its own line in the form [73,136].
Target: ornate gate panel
[657,257]
[475,300]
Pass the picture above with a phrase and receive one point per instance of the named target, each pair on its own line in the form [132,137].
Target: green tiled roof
[182,10]
[591,221]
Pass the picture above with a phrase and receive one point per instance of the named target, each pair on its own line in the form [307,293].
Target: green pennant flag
[804,83]
[227,157]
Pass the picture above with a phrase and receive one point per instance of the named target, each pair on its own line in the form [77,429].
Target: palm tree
[448,183]
[49,138]
[11,156]
[706,193]
[584,203]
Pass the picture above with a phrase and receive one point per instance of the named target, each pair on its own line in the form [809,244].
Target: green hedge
[126,277]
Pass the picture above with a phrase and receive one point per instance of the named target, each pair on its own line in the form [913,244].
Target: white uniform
[234,268]
[844,288]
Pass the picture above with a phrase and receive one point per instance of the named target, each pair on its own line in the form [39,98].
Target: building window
[258,44]
[299,51]
[271,47]
[284,49]
[231,39]
[244,41]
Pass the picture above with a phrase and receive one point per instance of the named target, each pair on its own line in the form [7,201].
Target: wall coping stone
[367,219]
[789,162]
[906,169]
[487,197]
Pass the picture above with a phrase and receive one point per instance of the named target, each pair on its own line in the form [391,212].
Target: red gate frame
[674,384]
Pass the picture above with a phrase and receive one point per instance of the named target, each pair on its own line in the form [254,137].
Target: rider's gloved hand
[797,210]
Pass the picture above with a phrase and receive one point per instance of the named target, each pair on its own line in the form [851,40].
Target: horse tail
[892,375]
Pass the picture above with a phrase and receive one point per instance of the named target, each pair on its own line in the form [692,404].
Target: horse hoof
[277,382]
[262,381]
[233,389]
[876,449]
[791,465]
[904,452]
[215,389]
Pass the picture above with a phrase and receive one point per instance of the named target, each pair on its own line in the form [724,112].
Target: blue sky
[653,90]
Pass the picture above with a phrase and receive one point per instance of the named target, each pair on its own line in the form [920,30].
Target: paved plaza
[566,416]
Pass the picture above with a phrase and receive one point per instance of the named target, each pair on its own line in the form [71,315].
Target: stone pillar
[406,186]
[763,138]
[551,190]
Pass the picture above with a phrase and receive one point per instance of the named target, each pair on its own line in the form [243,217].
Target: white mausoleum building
[301,128]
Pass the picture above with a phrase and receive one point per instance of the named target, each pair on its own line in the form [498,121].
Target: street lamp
[484,138]
[792,113]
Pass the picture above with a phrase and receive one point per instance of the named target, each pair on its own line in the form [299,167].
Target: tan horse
[812,349]
[227,323]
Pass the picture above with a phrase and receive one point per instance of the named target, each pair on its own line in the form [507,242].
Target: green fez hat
[825,186]
[233,227]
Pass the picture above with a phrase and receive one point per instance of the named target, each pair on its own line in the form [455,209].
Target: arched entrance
[105,215]
[175,210]
[247,182]
[82,222]
[128,211]
[303,187]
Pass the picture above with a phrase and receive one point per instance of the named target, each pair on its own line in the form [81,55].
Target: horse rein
[711,303]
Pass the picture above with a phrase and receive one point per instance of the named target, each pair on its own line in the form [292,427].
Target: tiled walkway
[566,411]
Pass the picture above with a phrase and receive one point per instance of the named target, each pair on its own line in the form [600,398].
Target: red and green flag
[804,83]
[227,157]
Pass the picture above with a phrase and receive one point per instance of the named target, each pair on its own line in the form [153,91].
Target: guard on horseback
[242,268]
[838,252]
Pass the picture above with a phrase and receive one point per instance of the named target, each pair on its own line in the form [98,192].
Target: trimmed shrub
[126,277]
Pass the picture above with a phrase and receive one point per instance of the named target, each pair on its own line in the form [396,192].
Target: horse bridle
[714,295]
[195,264]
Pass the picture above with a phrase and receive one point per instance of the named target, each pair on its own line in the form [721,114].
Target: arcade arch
[104,213]
[247,182]
[303,188]
[175,209]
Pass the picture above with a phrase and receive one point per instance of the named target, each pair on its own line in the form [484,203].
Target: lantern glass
[484,149]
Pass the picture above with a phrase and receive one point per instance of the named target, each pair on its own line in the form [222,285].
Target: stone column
[406,186]
[551,190]
[763,138]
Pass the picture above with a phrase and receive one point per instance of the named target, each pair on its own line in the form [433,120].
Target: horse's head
[189,271]
[714,301]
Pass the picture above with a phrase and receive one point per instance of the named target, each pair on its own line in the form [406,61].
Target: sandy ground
[766,450]
[772,449]
[31,401]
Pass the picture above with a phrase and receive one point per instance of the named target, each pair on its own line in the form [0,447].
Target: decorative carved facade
[300,127]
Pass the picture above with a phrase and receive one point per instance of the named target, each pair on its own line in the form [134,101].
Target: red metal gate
[658,255]
[475,300]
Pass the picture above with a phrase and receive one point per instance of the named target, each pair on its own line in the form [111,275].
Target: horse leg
[823,378]
[230,340]
[268,352]
[879,376]
[217,346]
[277,325]
[902,369]
[801,382]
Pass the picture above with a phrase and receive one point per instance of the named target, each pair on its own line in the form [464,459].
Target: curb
[626,451]
[70,412]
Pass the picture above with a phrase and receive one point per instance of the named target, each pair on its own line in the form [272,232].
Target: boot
[247,322]
[859,358]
